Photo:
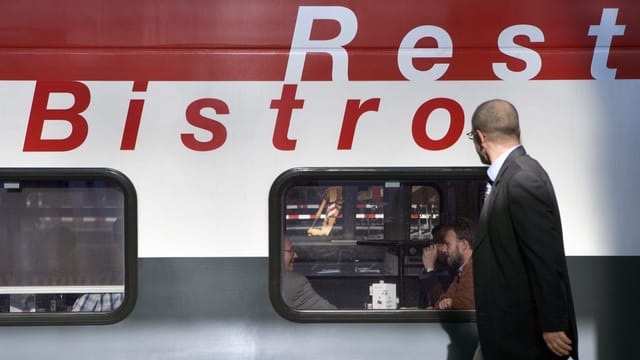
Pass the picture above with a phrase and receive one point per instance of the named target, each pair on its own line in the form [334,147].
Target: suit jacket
[520,272]
[299,294]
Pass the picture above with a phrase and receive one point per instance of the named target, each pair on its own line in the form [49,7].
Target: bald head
[498,120]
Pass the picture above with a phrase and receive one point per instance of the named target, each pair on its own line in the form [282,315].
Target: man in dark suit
[523,299]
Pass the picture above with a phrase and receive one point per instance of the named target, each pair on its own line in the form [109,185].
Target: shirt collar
[495,167]
[463,264]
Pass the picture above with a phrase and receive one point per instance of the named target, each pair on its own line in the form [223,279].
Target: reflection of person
[98,302]
[296,288]
[458,239]
[436,274]
[523,299]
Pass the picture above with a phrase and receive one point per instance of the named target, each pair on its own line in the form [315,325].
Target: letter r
[301,43]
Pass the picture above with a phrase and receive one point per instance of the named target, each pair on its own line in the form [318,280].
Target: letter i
[134,115]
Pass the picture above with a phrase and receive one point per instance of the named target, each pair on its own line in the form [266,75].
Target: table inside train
[400,247]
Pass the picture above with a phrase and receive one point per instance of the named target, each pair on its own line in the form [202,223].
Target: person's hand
[558,342]
[444,304]
[429,256]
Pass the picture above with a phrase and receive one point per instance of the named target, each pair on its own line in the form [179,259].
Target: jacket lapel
[483,222]
[516,153]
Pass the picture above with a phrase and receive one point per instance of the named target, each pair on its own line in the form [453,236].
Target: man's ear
[481,137]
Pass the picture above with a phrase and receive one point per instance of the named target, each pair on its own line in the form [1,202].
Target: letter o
[419,124]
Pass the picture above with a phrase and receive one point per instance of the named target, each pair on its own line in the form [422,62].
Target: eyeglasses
[291,251]
[471,135]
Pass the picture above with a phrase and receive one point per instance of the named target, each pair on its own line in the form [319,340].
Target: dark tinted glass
[68,244]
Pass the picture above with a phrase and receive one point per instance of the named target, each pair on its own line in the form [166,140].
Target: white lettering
[508,47]
[302,43]
[408,51]
[604,33]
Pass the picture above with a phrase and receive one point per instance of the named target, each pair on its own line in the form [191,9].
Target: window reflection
[62,241]
[359,239]
[425,211]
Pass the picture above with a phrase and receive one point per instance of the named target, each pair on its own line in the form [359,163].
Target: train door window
[346,244]
[68,240]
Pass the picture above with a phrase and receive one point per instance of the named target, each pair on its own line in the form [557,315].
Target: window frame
[276,226]
[130,234]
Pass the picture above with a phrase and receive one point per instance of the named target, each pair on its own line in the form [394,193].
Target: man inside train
[459,294]
[296,288]
[436,274]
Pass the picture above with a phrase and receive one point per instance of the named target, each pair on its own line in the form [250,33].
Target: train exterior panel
[204,104]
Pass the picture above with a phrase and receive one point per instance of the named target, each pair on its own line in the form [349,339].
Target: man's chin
[483,157]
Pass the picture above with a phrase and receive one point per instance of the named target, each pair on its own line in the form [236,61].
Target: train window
[347,244]
[68,243]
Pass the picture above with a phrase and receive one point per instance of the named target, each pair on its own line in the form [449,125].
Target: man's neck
[494,150]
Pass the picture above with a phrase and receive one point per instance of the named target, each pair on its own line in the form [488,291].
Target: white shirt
[494,169]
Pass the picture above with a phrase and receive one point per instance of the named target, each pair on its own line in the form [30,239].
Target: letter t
[604,34]
[285,107]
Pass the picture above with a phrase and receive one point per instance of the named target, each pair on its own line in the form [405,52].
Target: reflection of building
[329,210]
[60,238]
[425,211]
[304,210]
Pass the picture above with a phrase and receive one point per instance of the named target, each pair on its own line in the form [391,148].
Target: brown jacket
[461,289]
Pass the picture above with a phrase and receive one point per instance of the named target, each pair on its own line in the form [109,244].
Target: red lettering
[419,125]
[195,118]
[134,115]
[285,107]
[352,113]
[33,140]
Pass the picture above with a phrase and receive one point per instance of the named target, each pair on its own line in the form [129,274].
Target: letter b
[33,140]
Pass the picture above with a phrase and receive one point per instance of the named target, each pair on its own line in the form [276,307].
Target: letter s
[195,118]
[509,47]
